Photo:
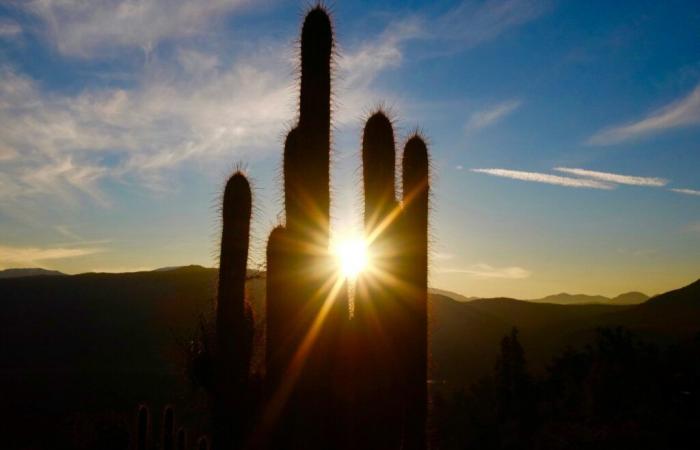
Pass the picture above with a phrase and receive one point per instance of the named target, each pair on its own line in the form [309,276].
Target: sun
[351,255]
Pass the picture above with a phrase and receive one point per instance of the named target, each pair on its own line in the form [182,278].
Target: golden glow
[351,255]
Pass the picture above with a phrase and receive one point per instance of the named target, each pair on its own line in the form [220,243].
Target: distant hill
[465,336]
[629,298]
[572,299]
[450,294]
[674,312]
[28,272]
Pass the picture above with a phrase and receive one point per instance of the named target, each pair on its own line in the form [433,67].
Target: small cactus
[168,428]
[143,423]
[181,439]
[203,443]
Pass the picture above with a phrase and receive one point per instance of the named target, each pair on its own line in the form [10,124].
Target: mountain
[465,336]
[28,272]
[687,297]
[572,299]
[629,298]
[450,294]
[672,313]
[119,321]
[168,268]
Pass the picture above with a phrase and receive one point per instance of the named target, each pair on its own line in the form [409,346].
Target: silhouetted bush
[617,393]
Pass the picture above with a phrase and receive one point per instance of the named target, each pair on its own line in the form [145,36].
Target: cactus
[181,439]
[414,273]
[332,380]
[203,443]
[142,428]
[391,310]
[299,353]
[378,319]
[168,428]
[234,322]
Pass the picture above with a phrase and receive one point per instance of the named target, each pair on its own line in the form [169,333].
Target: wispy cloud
[442,256]
[487,271]
[465,26]
[683,112]
[84,28]
[491,115]
[12,256]
[186,105]
[686,191]
[359,66]
[57,144]
[614,177]
[545,178]
[473,22]
[9,29]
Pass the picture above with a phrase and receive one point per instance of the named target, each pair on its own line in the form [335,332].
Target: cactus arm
[416,187]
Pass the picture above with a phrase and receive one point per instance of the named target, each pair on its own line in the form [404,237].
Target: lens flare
[351,255]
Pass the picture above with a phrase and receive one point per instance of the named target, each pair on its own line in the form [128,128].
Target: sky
[564,135]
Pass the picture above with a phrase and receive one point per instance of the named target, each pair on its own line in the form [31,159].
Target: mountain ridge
[564,298]
[22,272]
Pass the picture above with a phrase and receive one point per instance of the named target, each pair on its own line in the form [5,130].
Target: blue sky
[565,136]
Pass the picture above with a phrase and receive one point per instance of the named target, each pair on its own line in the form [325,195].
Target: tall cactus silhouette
[334,381]
[231,409]
[378,318]
[391,307]
[414,273]
[304,315]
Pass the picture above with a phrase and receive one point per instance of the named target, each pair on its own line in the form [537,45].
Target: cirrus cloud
[686,191]
[14,256]
[680,113]
[482,270]
[492,115]
[614,177]
[546,178]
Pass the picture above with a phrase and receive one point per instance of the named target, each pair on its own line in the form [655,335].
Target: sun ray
[279,398]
